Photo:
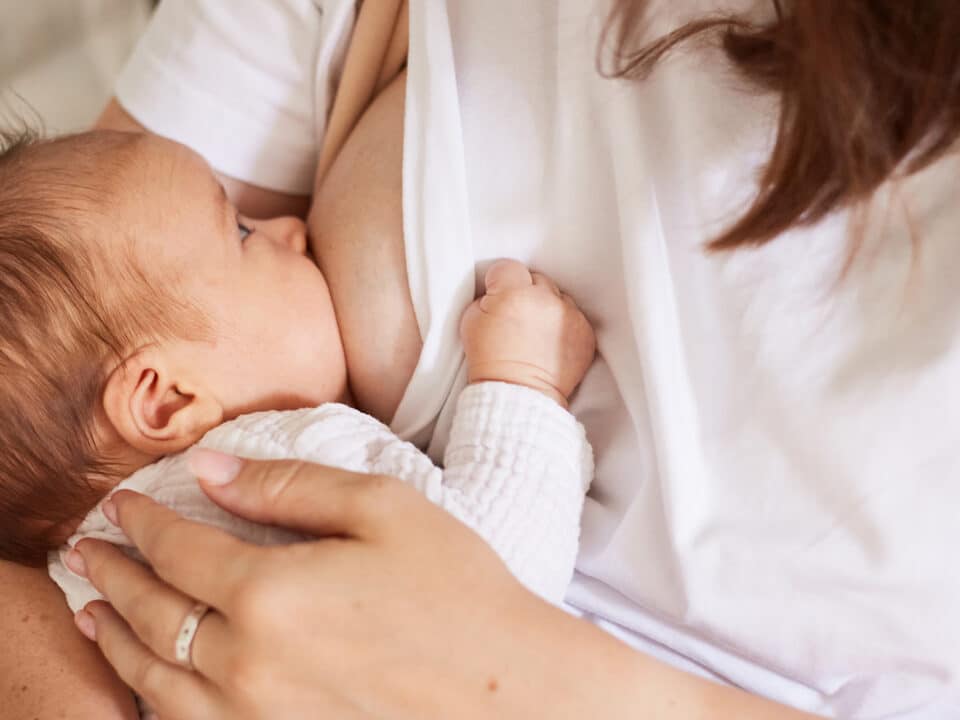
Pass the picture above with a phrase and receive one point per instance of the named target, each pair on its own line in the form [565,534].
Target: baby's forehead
[170,208]
[163,149]
[165,181]
[168,164]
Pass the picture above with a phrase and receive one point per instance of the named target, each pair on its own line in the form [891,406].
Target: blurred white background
[62,56]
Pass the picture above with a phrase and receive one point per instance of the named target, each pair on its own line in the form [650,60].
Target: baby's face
[271,340]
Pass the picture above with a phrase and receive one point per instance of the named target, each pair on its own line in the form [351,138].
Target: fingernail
[76,563]
[216,468]
[86,624]
[110,510]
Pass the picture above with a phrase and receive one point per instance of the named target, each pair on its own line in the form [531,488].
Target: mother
[774,421]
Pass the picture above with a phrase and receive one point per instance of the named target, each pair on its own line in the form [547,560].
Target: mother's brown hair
[868,88]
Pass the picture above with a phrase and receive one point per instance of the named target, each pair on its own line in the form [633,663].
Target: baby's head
[137,311]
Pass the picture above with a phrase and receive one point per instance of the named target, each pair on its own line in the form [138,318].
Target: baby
[140,314]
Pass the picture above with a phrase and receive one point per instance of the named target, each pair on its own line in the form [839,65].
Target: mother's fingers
[153,609]
[172,691]
[313,499]
[203,562]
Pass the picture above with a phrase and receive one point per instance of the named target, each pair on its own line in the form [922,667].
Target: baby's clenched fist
[524,331]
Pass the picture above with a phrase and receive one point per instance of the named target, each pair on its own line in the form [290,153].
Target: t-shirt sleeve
[247,84]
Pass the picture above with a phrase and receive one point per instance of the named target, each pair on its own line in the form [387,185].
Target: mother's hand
[397,610]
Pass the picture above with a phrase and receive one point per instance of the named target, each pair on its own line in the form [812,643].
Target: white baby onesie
[516,471]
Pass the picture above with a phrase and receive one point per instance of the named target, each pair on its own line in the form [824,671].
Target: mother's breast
[357,237]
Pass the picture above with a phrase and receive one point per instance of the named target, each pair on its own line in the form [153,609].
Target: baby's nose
[297,237]
[288,231]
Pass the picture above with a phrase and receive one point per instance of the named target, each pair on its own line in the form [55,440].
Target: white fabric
[776,492]
[256,98]
[516,471]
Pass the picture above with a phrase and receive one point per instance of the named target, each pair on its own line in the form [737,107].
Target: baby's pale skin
[267,336]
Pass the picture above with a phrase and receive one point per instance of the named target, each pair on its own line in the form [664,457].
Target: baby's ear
[154,408]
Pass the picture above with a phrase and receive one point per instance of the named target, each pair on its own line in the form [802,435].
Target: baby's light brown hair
[71,307]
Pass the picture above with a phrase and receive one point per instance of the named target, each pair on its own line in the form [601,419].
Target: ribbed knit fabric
[517,469]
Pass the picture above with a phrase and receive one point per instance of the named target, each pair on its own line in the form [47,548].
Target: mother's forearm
[47,668]
[589,673]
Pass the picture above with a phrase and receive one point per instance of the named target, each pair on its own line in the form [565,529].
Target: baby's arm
[517,469]
[518,465]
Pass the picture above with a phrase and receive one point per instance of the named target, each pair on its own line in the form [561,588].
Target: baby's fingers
[541,280]
[506,275]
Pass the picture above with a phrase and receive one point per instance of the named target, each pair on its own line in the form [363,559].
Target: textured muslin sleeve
[517,469]
[247,84]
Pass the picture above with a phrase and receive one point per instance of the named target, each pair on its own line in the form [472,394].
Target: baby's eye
[244,231]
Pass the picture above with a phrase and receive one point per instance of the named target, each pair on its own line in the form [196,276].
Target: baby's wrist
[516,374]
[551,393]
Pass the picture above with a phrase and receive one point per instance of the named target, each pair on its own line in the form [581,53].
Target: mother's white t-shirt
[777,498]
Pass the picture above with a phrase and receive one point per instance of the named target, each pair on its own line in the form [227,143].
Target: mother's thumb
[304,497]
